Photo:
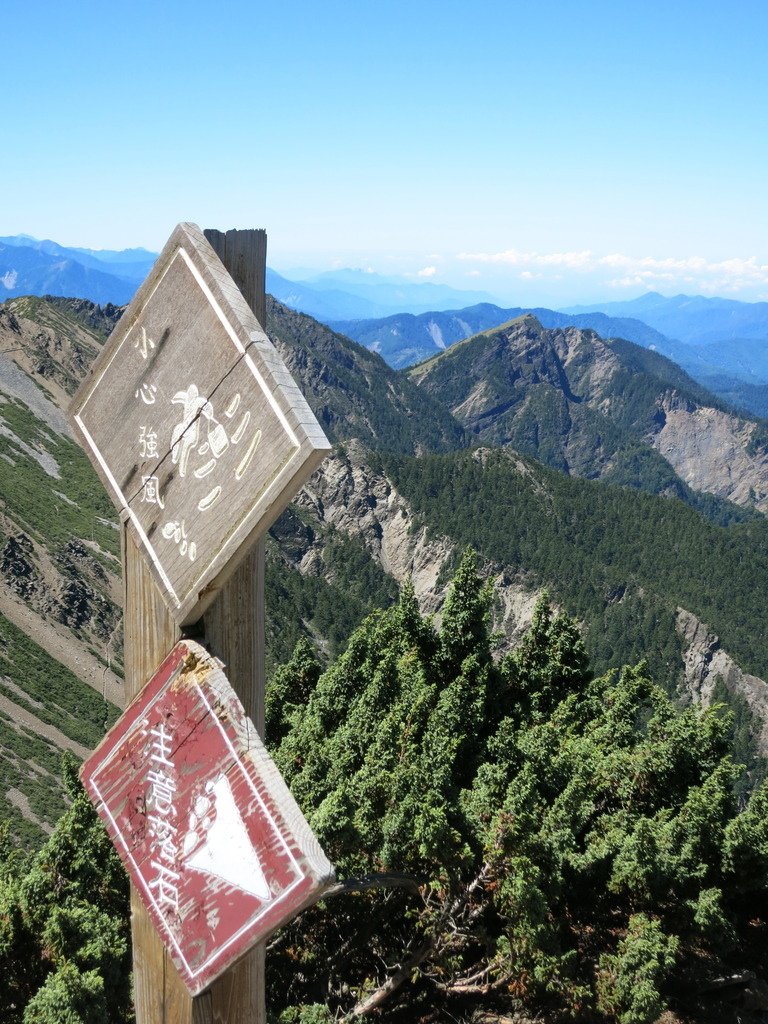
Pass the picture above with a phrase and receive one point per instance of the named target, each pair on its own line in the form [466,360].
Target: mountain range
[693,319]
[735,368]
[597,408]
[527,434]
[32,267]
[721,343]
[522,441]
[406,338]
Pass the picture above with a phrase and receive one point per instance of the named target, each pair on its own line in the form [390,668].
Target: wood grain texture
[244,254]
[192,419]
[235,624]
[233,628]
[160,996]
[234,631]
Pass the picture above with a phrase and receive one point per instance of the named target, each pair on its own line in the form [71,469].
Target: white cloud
[690,272]
[427,272]
[515,258]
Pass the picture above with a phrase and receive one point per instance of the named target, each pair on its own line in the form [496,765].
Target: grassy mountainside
[59,565]
[60,543]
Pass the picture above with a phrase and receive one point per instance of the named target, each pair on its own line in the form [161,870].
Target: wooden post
[233,629]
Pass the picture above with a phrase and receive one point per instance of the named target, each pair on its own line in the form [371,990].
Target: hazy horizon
[522,295]
[544,153]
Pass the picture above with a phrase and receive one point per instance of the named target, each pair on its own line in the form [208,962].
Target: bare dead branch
[404,971]
[381,880]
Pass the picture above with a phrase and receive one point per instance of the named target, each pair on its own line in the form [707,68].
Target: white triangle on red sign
[225,850]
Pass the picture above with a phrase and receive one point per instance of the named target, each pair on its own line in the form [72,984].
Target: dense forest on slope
[65,949]
[741,394]
[513,835]
[618,560]
[354,393]
[324,603]
[573,843]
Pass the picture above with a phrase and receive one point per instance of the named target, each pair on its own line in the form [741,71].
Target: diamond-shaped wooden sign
[215,844]
[194,423]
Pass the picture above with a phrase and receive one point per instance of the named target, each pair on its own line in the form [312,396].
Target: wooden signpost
[194,424]
[163,418]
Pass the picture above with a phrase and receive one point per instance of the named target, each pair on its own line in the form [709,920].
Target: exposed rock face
[17,565]
[79,600]
[70,586]
[713,451]
[347,495]
[704,661]
[55,340]
[588,407]
[354,393]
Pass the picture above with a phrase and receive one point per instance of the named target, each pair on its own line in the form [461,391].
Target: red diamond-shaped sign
[215,844]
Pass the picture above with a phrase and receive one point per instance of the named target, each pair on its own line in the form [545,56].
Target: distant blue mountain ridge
[29,266]
[693,319]
[405,339]
[722,343]
[734,369]
[357,294]
[131,264]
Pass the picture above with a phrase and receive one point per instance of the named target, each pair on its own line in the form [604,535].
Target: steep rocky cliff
[705,662]
[361,502]
[713,450]
[599,408]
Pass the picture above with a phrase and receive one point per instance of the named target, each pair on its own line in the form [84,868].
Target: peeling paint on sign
[215,844]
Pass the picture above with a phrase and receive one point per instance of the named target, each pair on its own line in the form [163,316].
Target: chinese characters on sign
[161,782]
[214,843]
[194,423]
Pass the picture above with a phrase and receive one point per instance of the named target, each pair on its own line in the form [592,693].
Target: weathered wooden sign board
[194,423]
[214,842]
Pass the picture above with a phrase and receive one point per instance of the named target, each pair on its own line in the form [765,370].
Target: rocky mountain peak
[588,406]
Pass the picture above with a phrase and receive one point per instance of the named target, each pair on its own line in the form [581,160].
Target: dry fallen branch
[431,943]
[381,880]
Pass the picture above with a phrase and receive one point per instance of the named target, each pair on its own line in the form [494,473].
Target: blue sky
[542,151]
